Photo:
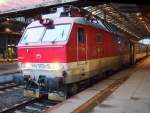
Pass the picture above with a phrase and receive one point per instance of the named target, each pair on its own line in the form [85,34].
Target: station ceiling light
[7,19]
[7,29]
[3,1]
[138,14]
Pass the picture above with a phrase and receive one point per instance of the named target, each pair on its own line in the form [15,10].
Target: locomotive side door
[81,45]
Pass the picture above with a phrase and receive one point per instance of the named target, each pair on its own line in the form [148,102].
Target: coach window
[81,35]
[99,38]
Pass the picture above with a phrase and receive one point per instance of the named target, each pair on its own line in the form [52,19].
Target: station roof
[131,18]
[13,5]
[8,6]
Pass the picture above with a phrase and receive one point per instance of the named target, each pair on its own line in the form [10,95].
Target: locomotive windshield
[32,35]
[59,33]
[46,34]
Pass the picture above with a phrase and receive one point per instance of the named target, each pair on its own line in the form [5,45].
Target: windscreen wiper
[62,33]
[26,43]
[54,40]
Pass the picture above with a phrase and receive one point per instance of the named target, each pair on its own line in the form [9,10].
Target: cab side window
[81,35]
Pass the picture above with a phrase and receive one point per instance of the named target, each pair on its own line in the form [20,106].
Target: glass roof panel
[8,5]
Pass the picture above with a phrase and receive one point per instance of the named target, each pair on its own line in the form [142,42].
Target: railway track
[17,106]
[32,105]
[35,105]
[9,86]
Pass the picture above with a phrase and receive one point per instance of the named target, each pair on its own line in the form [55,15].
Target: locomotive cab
[42,55]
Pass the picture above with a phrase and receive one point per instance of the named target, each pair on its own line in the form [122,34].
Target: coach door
[81,45]
[132,53]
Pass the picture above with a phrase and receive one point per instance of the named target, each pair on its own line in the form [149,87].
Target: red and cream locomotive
[59,54]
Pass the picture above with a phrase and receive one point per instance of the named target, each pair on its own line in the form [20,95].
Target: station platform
[8,68]
[9,73]
[131,97]
[127,91]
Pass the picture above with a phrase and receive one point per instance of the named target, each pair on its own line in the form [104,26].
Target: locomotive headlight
[27,65]
[24,65]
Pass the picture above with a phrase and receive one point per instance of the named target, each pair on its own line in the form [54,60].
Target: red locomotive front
[42,53]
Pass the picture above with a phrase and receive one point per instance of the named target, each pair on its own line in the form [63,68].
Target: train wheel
[72,89]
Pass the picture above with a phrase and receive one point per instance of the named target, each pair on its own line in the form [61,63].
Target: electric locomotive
[64,50]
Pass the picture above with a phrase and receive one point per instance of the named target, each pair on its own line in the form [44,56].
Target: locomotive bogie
[32,93]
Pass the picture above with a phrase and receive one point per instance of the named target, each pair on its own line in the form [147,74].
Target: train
[63,51]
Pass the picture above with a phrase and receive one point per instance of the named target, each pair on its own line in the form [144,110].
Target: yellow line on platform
[101,96]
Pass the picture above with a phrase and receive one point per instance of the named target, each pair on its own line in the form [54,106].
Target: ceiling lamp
[8,30]
[138,14]
[7,19]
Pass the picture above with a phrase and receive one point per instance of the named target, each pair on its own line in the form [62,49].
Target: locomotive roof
[81,20]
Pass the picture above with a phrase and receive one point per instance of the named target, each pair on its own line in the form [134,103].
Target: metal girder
[128,22]
[109,16]
[137,26]
[139,22]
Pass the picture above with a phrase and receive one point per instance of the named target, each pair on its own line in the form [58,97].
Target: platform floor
[131,97]
[8,68]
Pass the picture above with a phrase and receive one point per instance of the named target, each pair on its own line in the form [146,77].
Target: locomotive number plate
[39,66]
